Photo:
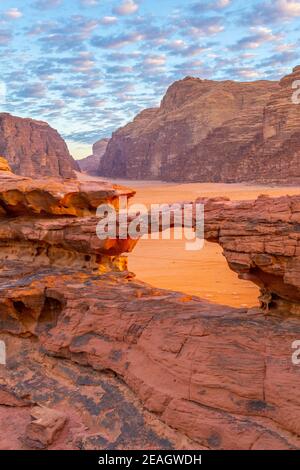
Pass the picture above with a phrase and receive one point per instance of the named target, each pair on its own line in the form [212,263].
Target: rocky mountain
[96,359]
[91,163]
[214,131]
[33,148]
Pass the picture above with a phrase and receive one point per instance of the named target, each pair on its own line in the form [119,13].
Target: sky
[88,67]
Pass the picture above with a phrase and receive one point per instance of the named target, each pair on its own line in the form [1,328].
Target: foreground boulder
[212,131]
[44,428]
[120,364]
[33,148]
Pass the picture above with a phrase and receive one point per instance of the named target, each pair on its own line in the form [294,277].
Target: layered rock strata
[261,242]
[33,148]
[97,360]
[210,131]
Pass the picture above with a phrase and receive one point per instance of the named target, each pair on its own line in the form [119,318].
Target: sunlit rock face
[211,131]
[33,148]
[96,359]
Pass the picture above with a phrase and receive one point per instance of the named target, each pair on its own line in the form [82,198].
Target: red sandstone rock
[212,131]
[136,367]
[91,163]
[44,427]
[261,242]
[33,148]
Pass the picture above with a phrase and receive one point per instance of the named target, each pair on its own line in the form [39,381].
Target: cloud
[89,3]
[120,40]
[274,11]
[127,7]
[249,74]
[40,28]
[3,92]
[285,47]
[95,102]
[66,35]
[5,37]
[181,48]
[197,26]
[75,93]
[275,60]
[108,20]
[84,62]
[288,8]
[204,6]
[95,63]
[223,3]
[61,43]
[260,36]
[46,4]
[87,136]
[119,69]
[35,90]
[155,61]
[13,13]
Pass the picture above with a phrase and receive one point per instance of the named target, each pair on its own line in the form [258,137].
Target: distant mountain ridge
[91,163]
[33,148]
[212,131]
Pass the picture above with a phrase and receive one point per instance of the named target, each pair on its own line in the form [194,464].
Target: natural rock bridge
[110,360]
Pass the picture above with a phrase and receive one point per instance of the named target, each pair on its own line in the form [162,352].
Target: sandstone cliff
[91,163]
[33,148]
[212,131]
[97,360]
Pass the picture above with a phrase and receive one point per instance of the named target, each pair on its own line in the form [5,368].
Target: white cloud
[265,34]
[127,7]
[155,60]
[109,20]
[285,47]
[204,30]
[289,8]
[177,44]
[13,13]
[249,73]
[274,11]
[223,3]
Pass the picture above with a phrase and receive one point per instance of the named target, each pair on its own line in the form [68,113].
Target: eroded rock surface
[33,148]
[210,131]
[116,363]
[261,242]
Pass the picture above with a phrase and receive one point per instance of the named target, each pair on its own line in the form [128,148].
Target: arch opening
[166,264]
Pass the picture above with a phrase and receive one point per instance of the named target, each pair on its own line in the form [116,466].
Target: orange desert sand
[166,263]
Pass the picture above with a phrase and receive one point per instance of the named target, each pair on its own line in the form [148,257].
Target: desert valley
[96,321]
[114,342]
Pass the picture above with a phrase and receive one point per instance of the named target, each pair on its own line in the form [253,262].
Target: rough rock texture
[261,242]
[212,131]
[111,362]
[91,163]
[46,424]
[33,148]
